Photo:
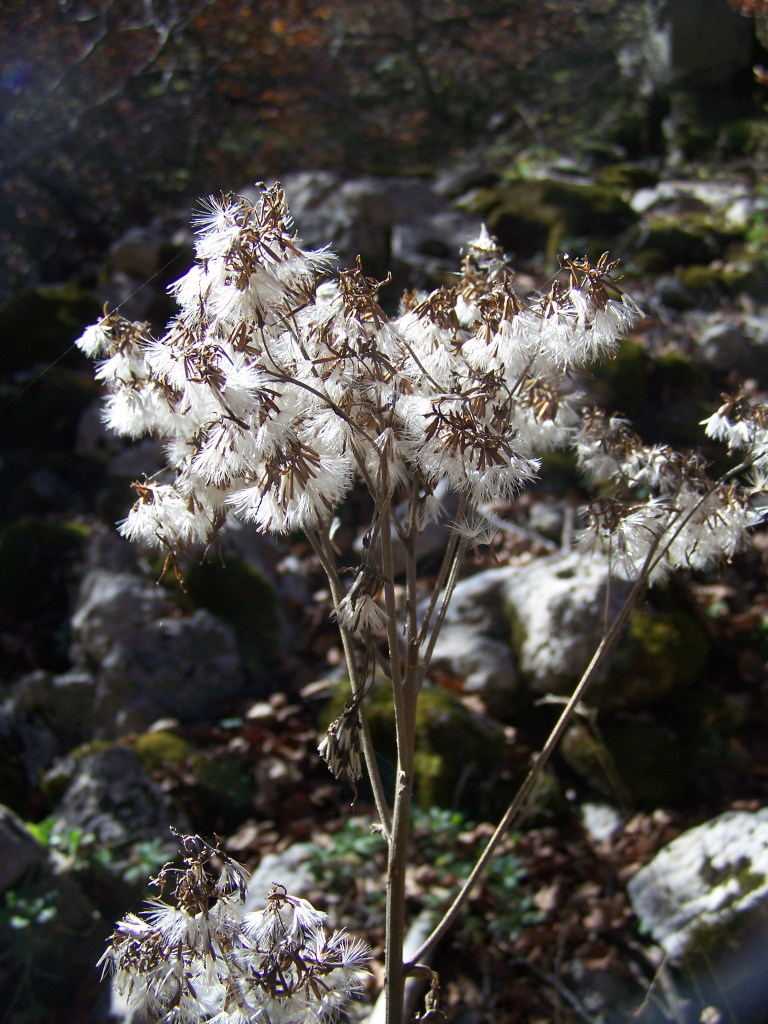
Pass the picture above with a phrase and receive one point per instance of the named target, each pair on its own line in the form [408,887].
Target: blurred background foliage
[111,109]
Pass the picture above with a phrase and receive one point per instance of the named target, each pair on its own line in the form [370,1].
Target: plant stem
[525,789]
[321,546]
[405,696]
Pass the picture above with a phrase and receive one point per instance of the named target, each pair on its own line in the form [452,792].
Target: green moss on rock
[621,382]
[629,760]
[665,651]
[156,749]
[240,595]
[225,789]
[39,325]
[37,557]
[669,243]
[458,751]
[540,215]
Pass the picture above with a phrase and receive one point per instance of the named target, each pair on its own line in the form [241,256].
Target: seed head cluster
[275,389]
[199,959]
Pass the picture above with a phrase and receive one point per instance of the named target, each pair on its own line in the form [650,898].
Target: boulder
[631,759]
[149,659]
[289,868]
[430,247]
[356,217]
[474,644]
[63,702]
[112,799]
[725,346]
[27,748]
[540,215]
[704,900]
[557,607]
[52,934]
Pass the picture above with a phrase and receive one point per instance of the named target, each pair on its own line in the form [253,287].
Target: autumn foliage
[111,109]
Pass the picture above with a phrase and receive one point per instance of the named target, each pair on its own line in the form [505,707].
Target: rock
[357,217]
[52,938]
[484,665]
[19,851]
[707,884]
[136,253]
[725,346]
[183,667]
[473,645]
[64,702]
[149,660]
[238,593]
[36,568]
[669,290]
[27,748]
[632,760]
[681,197]
[458,751]
[289,868]
[38,326]
[704,900]
[670,243]
[431,541]
[599,820]
[111,798]
[110,605]
[430,247]
[541,214]
[548,519]
[472,171]
[557,607]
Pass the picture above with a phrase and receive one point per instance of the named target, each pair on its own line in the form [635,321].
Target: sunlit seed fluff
[95,340]
[196,958]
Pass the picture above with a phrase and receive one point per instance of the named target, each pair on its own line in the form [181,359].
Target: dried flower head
[199,959]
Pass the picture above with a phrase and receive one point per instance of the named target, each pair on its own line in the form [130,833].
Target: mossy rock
[225,790]
[37,560]
[668,244]
[43,414]
[542,215]
[156,749]
[632,761]
[664,651]
[626,176]
[241,596]
[682,397]
[59,776]
[40,325]
[458,752]
[621,383]
[559,470]
[744,273]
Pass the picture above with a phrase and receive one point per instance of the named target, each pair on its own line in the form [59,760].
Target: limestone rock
[113,799]
[708,887]
[64,702]
[289,868]
[149,659]
[558,607]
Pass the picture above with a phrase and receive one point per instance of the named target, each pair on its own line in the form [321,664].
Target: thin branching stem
[322,547]
[525,789]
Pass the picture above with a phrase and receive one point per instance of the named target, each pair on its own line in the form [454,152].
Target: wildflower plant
[277,390]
